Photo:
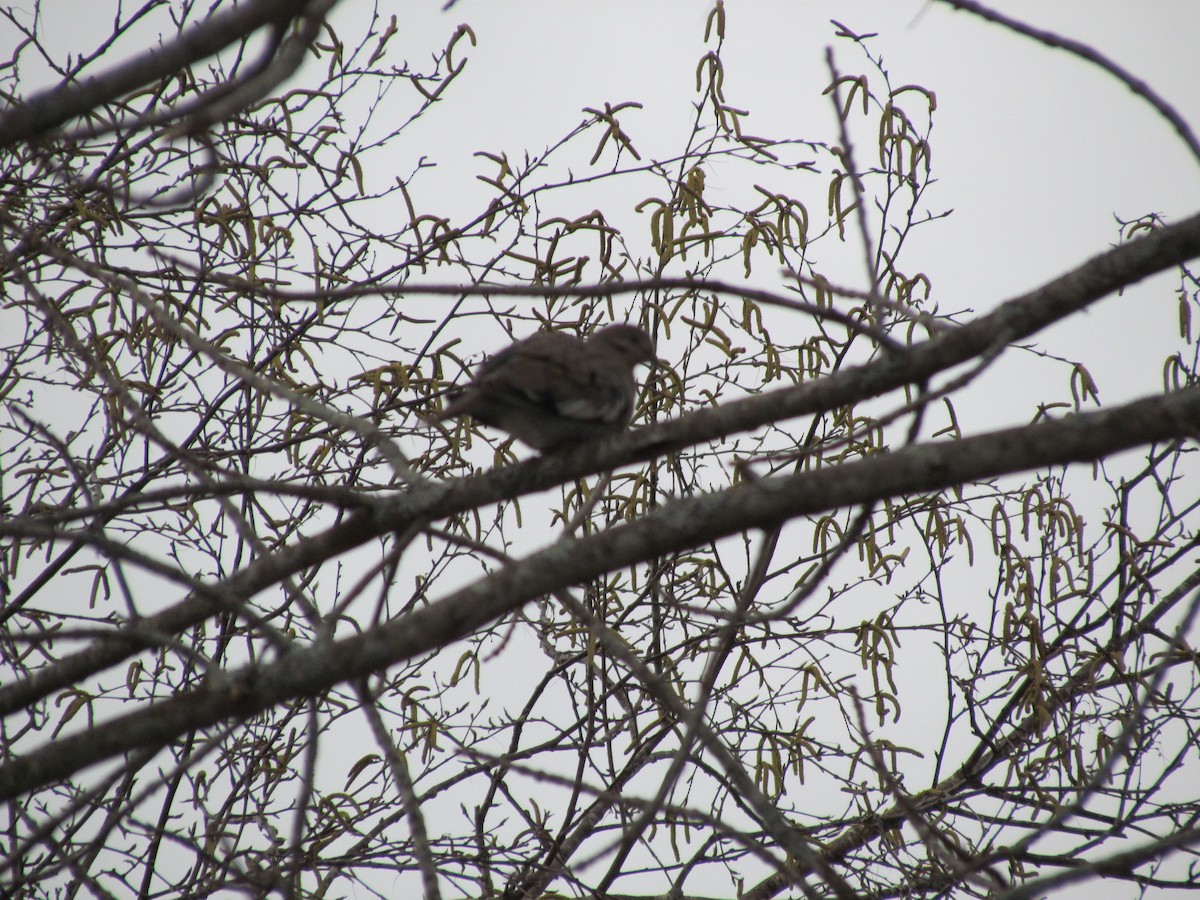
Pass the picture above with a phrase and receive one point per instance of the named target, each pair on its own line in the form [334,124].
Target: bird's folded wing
[559,374]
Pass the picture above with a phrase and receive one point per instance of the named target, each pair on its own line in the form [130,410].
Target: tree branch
[57,105]
[679,526]
[1016,319]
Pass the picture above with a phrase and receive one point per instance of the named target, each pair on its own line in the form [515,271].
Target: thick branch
[64,102]
[679,526]
[1016,319]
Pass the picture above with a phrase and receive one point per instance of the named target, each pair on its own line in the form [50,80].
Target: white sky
[1034,150]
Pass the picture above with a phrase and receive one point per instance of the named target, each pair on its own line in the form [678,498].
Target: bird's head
[629,342]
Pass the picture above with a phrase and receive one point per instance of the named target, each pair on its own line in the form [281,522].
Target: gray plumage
[553,389]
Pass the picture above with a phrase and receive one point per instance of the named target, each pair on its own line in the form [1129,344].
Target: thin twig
[1092,55]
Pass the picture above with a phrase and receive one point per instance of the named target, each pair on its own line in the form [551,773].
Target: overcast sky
[1034,150]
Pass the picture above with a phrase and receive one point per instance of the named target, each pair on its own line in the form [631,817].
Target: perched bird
[552,389]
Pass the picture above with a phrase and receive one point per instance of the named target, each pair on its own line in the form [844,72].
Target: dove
[552,390]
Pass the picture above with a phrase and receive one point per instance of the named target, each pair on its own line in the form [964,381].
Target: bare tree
[266,629]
